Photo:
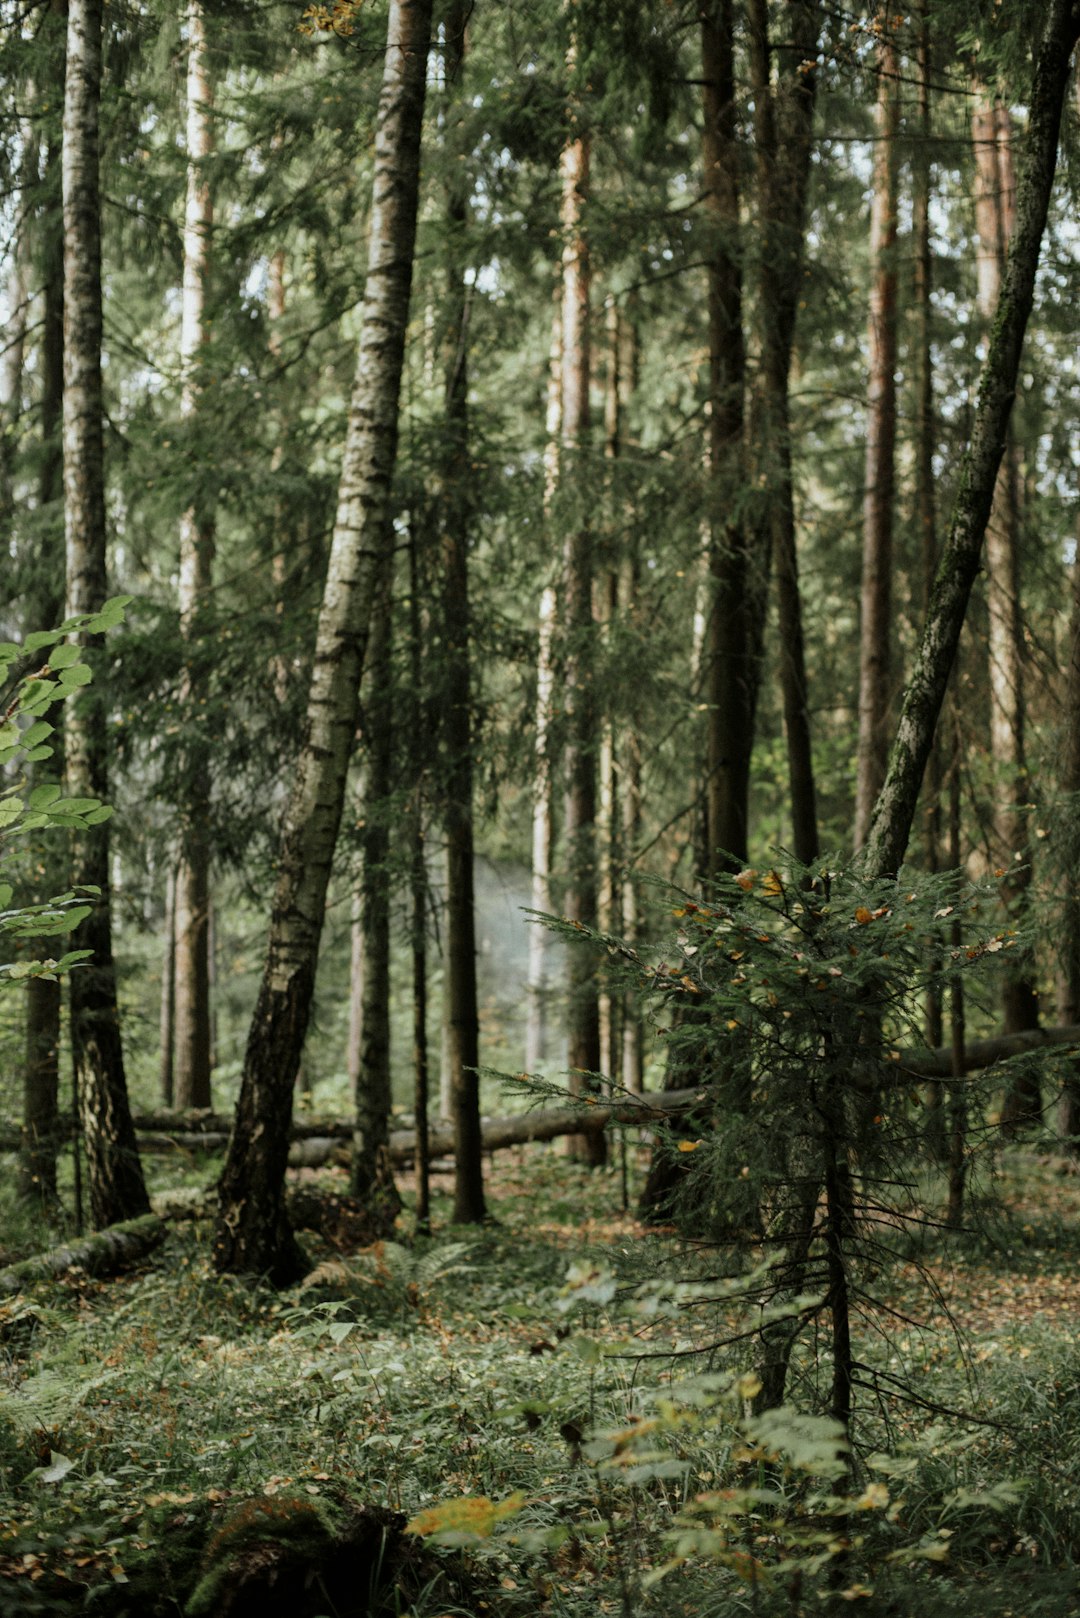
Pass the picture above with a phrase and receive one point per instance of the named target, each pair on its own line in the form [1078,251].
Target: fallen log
[983,1053]
[100,1254]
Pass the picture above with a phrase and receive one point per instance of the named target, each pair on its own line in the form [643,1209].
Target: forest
[539,808]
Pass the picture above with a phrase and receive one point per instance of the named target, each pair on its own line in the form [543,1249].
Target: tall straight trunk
[371,1175]
[462,1014]
[957,1024]
[114,1174]
[609,827]
[418,885]
[44,998]
[926,517]
[1068,974]
[1010,850]
[579,808]
[192,1006]
[730,642]
[167,1018]
[539,969]
[784,127]
[253,1233]
[875,618]
[925,689]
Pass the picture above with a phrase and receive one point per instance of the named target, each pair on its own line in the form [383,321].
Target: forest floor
[554,1404]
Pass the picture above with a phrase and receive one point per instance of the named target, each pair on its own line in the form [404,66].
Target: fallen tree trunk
[100,1254]
[315,1139]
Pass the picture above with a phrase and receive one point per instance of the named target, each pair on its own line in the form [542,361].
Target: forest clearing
[539,803]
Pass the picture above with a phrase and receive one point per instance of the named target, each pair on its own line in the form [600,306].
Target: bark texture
[730,643]
[114,1177]
[102,1254]
[1068,974]
[579,705]
[455,515]
[925,688]
[875,619]
[784,127]
[253,1233]
[191,1017]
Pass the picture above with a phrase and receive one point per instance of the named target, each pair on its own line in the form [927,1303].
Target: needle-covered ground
[552,1415]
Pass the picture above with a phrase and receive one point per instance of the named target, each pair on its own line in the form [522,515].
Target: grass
[139,1416]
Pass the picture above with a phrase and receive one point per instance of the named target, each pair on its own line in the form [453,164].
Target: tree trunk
[925,689]
[117,1191]
[579,810]
[44,998]
[875,621]
[253,1233]
[462,1015]
[730,678]
[167,1020]
[418,884]
[784,126]
[370,1174]
[1068,975]
[926,522]
[1010,851]
[192,1014]
[539,970]
[957,1091]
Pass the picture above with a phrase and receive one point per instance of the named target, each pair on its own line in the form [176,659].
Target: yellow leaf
[473,1514]
[749,1385]
[689,1145]
[772,884]
[862,916]
[745,879]
[873,1497]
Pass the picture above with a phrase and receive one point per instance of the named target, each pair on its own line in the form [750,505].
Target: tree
[253,1233]
[894,810]
[117,1189]
[875,626]
[191,1080]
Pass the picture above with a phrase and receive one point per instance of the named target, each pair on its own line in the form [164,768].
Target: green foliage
[24,733]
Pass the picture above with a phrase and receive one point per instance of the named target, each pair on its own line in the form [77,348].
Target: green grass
[137,1414]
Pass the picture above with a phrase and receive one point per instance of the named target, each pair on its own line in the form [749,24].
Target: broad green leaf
[65,656]
[37,732]
[94,817]
[42,796]
[37,753]
[77,674]
[7,893]
[42,637]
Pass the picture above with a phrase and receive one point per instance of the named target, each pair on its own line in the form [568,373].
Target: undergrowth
[544,1401]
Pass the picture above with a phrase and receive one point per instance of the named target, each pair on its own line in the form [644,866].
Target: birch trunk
[875,619]
[462,1014]
[730,677]
[925,689]
[114,1176]
[191,1077]
[167,1017]
[253,1233]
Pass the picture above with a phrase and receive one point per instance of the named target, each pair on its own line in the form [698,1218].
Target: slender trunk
[875,623]
[418,883]
[539,985]
[372,1178]
[730,677]
[115,1180]
[1010,851]
[579,809]
[462,1015]
[356,992]
[926,522]
[275,310]
[253,1232]
[784,125]
[609,827]
[167,1024]
[925,689]
[957,1092]
[1068,975]
[44,999]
